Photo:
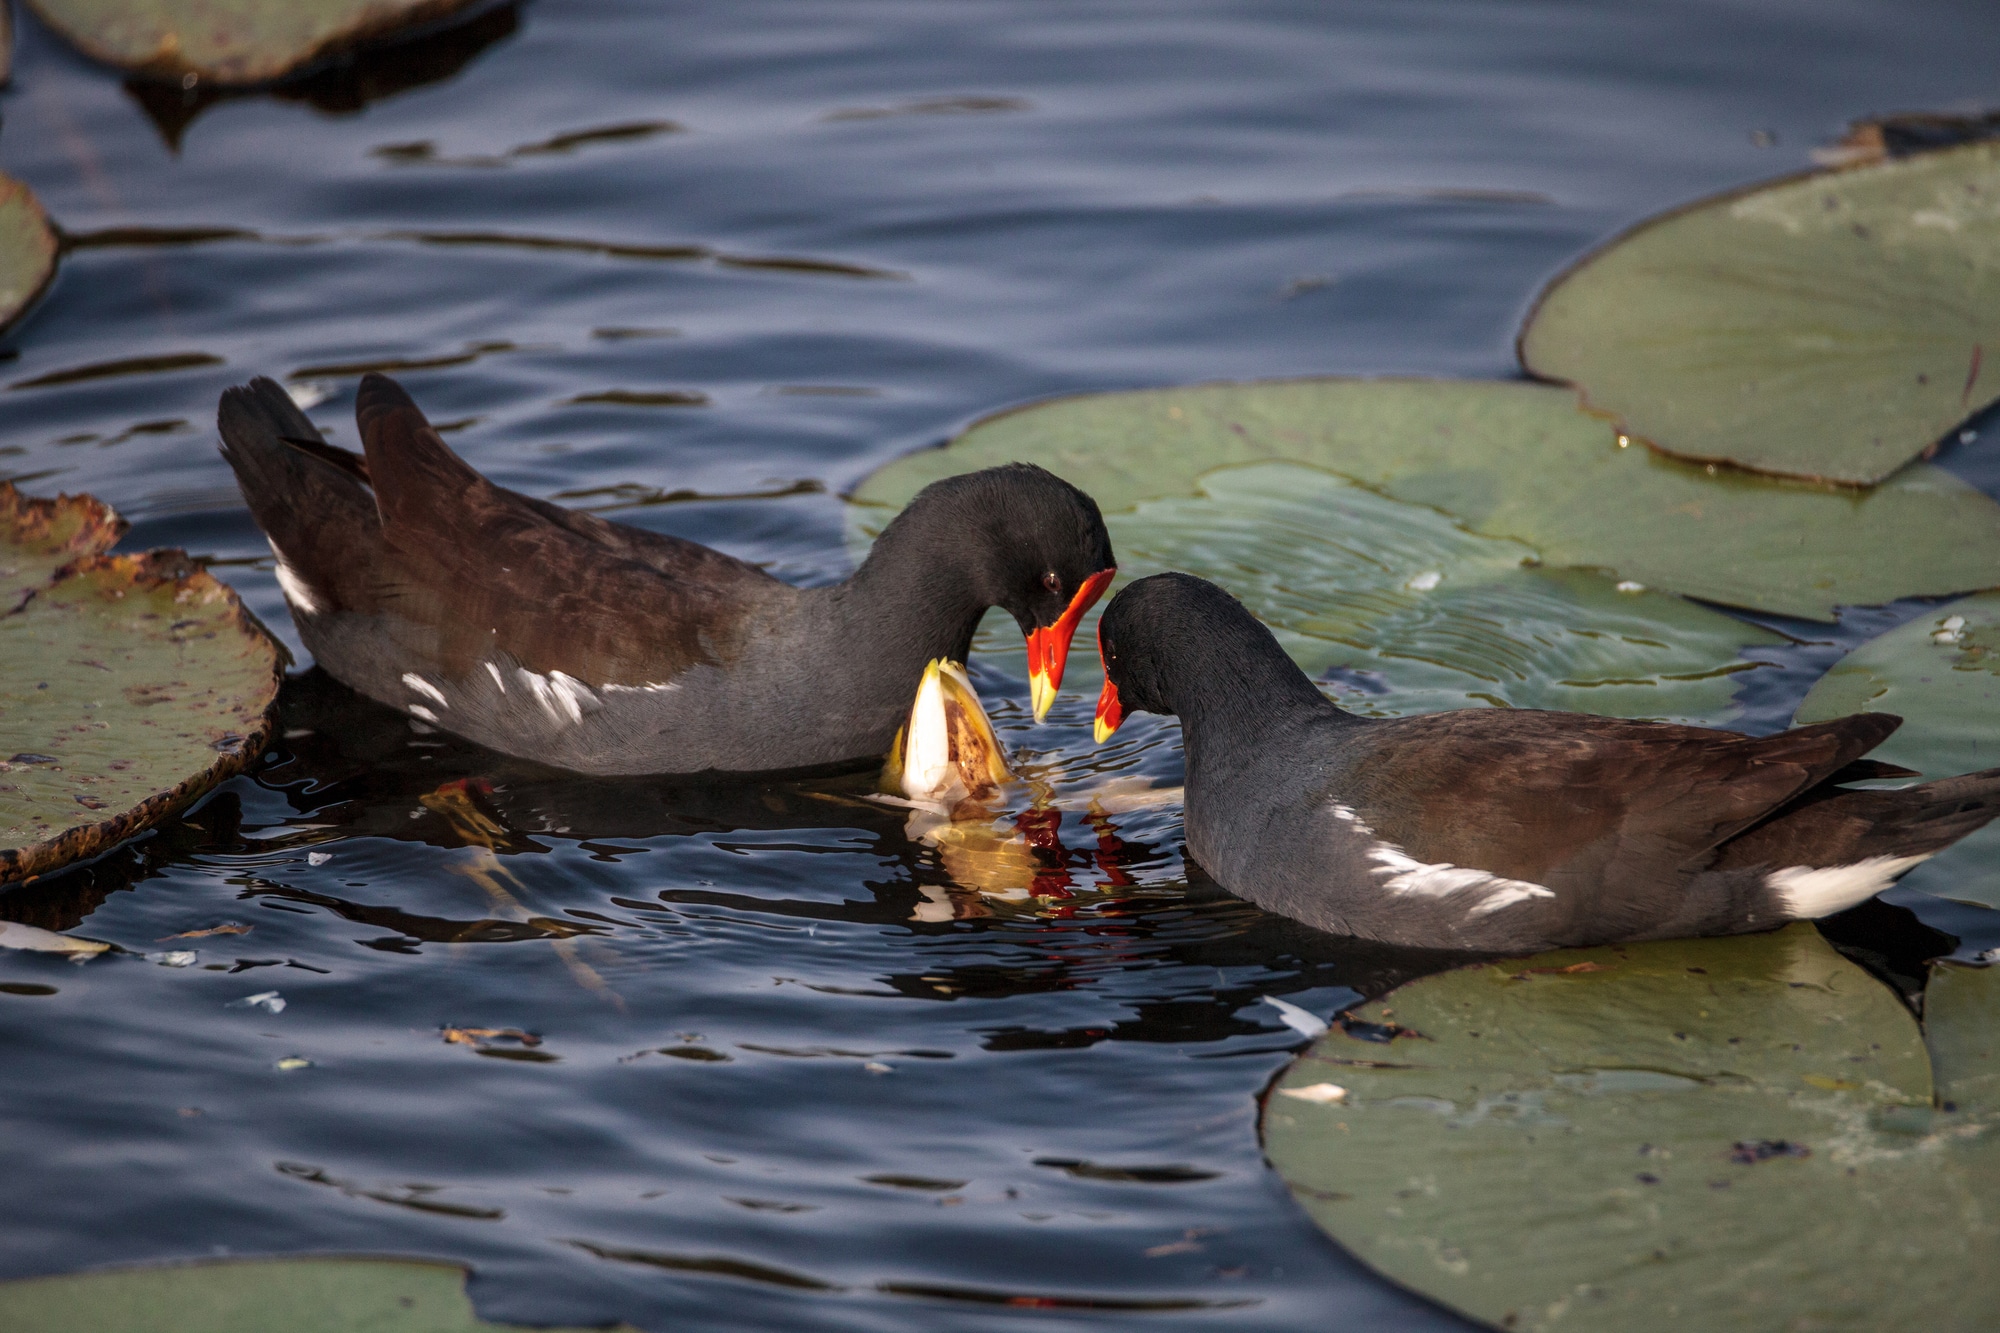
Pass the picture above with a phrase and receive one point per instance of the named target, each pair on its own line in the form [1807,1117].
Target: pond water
[784,1074]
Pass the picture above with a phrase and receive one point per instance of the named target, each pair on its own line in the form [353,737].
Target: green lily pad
[27,246]
[1941,674]
[1833,325]
[1437,616]
[231,42]
[1962,1026]
[1713,1134]
[129,685]
[1504,460]
[316,1295]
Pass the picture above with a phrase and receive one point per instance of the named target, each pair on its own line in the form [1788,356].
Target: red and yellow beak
[1110,712]
[1048,647]
[1111,709]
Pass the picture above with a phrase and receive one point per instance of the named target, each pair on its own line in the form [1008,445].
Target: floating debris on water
[1306,1024]
[14,935]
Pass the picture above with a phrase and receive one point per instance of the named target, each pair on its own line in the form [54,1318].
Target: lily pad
[1713,1134]
[1833,325]
[1941,674]
[1407,611]
[316,1295]
[27,246]
[231,42]
[39,537]
[129,685]
[1504,460]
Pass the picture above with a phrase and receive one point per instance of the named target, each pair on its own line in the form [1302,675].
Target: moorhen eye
[1053,582]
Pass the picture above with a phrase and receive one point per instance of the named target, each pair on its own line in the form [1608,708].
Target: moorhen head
[1507,830]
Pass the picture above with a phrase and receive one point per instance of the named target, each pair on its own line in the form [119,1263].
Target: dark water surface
[787,1076]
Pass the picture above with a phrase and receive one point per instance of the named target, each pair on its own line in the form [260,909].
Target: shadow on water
[344,85]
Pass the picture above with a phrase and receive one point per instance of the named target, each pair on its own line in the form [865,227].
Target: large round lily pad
[1505,460]
[1711,1134]
[315,1295]
[1941,674]
[129,685]
[1833,325]
[1396,597]
[231,42]
[27,248]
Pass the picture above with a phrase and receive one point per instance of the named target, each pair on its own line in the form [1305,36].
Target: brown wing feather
[1555,798]
[483,566]
[307,495]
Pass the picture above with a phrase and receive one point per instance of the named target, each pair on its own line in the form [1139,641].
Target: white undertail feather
[418,710]
[1403,874]
[295,589]
[1810,892]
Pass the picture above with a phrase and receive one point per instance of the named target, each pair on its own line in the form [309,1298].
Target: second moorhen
[1506,830]
[589,645]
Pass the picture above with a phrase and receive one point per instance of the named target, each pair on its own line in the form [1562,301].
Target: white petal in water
[14,935]
[1631,585]
[1297,1019]
[269,1001]
[1951,630]
[1317,1092]
[175,958]
[318,858]
[877,1067]
[1425,581]
[291,1062]
[947,751]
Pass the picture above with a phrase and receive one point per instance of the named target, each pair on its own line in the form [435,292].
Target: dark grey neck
[1239,696]
[919,594]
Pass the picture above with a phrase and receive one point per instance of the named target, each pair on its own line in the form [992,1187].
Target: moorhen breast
[1506,830]
[592,646]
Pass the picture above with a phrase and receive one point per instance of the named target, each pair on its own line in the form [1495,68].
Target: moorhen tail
[1507,830]
[592,646]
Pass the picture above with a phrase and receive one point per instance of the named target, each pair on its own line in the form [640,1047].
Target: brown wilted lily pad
[41,536]
[129,685]
[231,42]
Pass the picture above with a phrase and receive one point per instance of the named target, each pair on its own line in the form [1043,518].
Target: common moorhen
[1506,830]
[592,646]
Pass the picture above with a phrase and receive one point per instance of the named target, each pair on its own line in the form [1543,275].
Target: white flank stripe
[422,686]
[1404,874]
[1810,892]
[499,681]
[561,696]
